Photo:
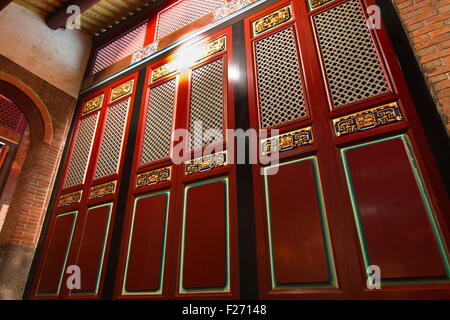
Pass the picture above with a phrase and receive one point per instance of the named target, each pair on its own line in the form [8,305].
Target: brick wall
[35,184]
[427,23]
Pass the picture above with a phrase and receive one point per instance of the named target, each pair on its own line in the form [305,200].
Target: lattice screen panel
[183,13]
[110,149]
[352,67]
[120,48]
[81,151]
[10,114]
[206,110]
[158,123]
[279,83]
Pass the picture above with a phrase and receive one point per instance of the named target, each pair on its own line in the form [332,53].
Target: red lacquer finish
[394,220]
[147,245]
[204,245]
[395,213]
[92,232]
[299,253]
[205,256]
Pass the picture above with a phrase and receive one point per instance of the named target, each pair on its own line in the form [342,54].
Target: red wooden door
[180,237]
[356,185]
[81,222]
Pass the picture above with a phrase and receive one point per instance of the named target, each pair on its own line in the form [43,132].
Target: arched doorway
[14,142]
[27,201]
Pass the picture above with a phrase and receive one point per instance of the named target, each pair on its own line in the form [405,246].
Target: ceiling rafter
[97,15]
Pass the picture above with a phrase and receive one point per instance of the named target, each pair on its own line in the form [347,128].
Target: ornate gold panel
[314,4]
[164,71]
[122,90]
[367,119]
[93,104]
[153,177]
[212,48]
[103,190]
[272,20]
[287,141]
[70,198]
[206,163]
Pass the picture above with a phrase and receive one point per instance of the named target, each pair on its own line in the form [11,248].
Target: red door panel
[298,229]
[392,211]
[56,256]
[147,248]
[92,248]
[205,237]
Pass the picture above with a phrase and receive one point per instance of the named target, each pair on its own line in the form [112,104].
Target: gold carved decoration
[272,20]
[206,163]
[163,71]
[318,3]
[70,198]
[153,177]
[212,48]
[122,90]
[367,119]
[103,190]
[287,141]
[93,104]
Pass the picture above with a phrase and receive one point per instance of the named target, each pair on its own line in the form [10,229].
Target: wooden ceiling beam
[59,18]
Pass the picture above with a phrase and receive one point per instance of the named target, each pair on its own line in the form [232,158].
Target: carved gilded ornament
[93,104]
[70,198]
[122,90]
[272,20]
[103,190]
[153,177]
[318,3]
[287,141]
[206,163]
[367,119]
[212,48]
[164,71]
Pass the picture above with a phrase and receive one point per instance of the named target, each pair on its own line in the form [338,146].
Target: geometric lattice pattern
[10,116]
[110,149]
[120,48]
[158,123]
[206,109]
[352,67]
[81,151]
[182,13]
[279,83]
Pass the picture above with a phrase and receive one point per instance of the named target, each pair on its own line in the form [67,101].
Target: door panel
[352,67]
[147,246]
[56,257]
[299,245]
[205,247]
[397,228]
[92,248]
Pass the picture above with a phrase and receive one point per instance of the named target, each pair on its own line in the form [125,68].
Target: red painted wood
[91,247]
[146,251]
[396,228]
[83,230]
[53,266]
[205,237]
[299,252]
